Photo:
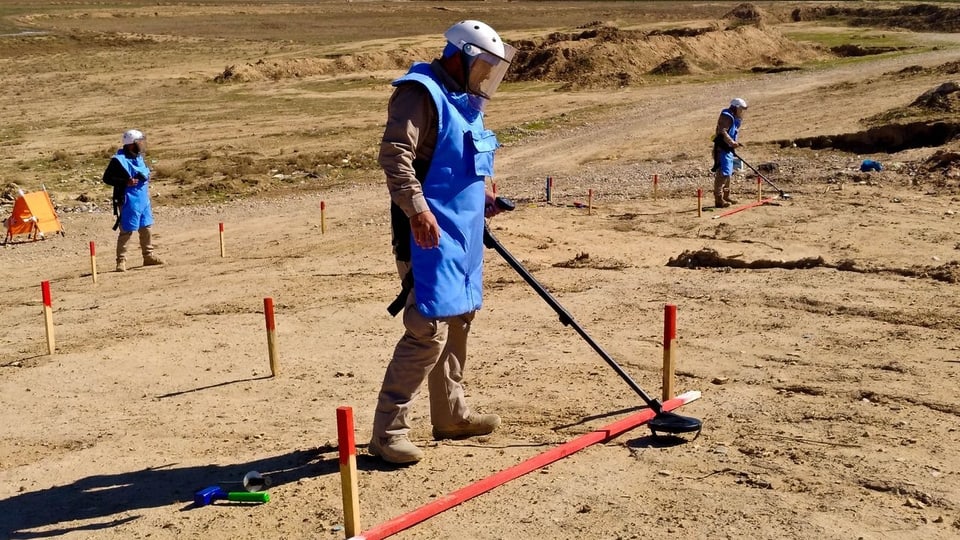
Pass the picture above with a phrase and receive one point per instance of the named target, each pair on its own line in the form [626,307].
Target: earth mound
[916,17]
[606,56]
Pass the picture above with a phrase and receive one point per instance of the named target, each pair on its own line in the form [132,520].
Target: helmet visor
[486,70]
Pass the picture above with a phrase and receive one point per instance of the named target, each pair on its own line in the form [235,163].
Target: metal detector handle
[491,242]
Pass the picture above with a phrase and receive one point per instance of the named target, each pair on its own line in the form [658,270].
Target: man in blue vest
[724,143]
[436,155]
[130,177]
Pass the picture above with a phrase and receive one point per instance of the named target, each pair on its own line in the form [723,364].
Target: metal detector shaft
[491,242]
[765,179]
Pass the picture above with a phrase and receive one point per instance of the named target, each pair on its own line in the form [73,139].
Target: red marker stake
[271,335]
[669,348]
[699,202]
[348,471]
[656,186]
[323,217]
[93,262]
[223,247]
[48,316]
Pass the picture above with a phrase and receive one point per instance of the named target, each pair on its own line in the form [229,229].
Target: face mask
[485,70]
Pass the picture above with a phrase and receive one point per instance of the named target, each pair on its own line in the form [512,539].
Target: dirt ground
[828,391]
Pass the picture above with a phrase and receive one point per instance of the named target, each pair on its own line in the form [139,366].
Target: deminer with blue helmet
[724,143]
[436,155]
[129,175]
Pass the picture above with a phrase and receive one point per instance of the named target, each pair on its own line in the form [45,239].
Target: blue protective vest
[725,158]
[136,212]
[448,280]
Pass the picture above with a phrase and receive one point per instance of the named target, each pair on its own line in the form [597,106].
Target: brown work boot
[152,260]
[475,424]
[726,197]
[394,449]
[720,203]
[121,265]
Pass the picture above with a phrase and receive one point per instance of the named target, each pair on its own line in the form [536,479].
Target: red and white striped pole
[669,348]
[271,335]
[223,247]
[48,316]
[348,471]
[93,261]
[323,217]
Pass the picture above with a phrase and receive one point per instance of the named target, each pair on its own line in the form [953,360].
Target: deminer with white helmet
[129,175]
[436,155]
[724,143]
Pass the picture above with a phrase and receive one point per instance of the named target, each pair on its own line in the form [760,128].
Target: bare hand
[426,232]
[490,208]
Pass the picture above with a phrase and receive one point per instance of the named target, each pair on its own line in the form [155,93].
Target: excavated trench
[890,138]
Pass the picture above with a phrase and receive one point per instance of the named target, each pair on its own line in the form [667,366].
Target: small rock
[720,380]
[913,503]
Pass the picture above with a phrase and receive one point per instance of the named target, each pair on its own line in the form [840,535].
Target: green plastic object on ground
[248,496]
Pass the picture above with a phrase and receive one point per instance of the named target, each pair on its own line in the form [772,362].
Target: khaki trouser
[424,353]
[721,187]
[146,243]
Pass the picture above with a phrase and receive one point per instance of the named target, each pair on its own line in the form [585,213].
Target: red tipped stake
[699,202]
[93,261]
[223,246]
[271,335]
[323,217]
[48,316]
[669,349]
[656,186]
[348,471]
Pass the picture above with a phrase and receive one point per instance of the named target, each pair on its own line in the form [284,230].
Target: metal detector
[783,195]
[663,421]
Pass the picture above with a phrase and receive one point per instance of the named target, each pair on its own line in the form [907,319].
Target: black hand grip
[504,203]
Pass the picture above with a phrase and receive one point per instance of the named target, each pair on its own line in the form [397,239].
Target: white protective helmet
[132,135]
[486,56]
[738,103]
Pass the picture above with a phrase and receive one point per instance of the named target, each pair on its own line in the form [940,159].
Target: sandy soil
[828,393]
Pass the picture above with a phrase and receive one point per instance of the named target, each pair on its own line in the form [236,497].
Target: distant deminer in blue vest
[130,178]
[437,156]
[724,143]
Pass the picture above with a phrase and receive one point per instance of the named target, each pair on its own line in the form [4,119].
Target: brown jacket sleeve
[410,134]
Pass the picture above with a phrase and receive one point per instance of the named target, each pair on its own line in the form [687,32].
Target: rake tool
[663,421]
[783,195]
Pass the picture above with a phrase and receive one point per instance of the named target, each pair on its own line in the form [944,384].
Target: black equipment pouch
[400,226]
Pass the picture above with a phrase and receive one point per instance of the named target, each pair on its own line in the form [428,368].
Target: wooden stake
[589,201]
[223,247]
[271,336]
[699,202]
[656,186]
[48,316]
[669,348]
[93,262]
[549,188]
[348,472]
[323,217]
